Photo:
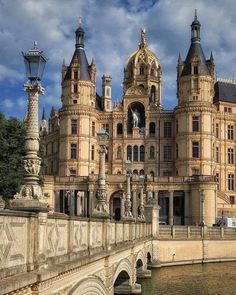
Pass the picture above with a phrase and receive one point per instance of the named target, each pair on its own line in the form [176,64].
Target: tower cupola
[195,29]
[79,36]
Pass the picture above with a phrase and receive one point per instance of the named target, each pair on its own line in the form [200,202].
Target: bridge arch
[125,266]
[91,286]
[140,258]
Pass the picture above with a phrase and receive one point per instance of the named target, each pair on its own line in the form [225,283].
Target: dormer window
[195,70]
[75,88]
[75,75]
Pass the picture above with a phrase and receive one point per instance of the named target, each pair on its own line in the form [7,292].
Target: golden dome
[143,55]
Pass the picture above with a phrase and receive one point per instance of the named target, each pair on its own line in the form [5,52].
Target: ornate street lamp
[202,200]
[128,213]
[141,206]
[101,209]
[31,196]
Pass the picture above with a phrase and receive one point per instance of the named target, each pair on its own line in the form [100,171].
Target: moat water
[199,279]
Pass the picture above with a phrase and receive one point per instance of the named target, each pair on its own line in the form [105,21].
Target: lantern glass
[102,137]
[34,64]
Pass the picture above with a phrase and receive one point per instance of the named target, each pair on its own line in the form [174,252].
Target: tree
[12,149]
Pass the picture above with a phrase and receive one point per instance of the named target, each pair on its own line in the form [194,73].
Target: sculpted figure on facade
[136,117]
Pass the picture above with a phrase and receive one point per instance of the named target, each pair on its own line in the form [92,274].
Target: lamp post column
[101,209]
[128,213]
[141,207]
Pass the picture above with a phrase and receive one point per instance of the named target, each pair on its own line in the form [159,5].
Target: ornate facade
[183,158]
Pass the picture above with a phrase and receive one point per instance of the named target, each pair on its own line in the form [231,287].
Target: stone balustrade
[195,232]
[30,241]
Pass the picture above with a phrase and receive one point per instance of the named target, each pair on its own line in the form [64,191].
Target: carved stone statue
[136,117]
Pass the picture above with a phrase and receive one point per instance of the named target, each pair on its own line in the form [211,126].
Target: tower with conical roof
[78,115]
[43,124]
[195,115]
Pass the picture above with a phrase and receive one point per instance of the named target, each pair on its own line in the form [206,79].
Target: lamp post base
[30,198]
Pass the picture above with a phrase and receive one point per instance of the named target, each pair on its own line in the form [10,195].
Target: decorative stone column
[128,214]
[171,214]
[30,197]
[134,203]
[101,210]
[141,206]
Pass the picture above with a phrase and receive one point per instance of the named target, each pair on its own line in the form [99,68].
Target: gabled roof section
[225,91]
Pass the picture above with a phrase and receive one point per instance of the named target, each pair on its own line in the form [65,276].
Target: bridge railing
[31,241]
[195,232]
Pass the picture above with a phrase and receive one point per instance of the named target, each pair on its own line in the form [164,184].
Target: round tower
[78,115]
[195,112]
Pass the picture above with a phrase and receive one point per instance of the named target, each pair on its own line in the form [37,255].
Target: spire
[211,57]
[44,114]
[143,42]
[195,29]
[79,36]
[179,58]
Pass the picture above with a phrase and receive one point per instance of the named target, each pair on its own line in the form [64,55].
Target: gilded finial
[143,42]
[80,21]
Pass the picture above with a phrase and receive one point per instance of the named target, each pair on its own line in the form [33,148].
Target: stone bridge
[43,254]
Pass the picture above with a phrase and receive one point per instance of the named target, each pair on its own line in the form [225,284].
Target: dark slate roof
[225,92]
[84,66]
[98,104]
[195,49]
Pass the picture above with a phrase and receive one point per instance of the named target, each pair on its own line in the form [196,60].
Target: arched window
[153,72]
[152,152]
[135,172]
[119,129]
[119,155]
[152,173]
[153,94]
[141,71]
[129,152]
[141,85]
[152,128]
[141,172]
[136,153]
[142,153]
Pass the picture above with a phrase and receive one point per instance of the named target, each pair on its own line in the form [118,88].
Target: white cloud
[7,103]
[112,34]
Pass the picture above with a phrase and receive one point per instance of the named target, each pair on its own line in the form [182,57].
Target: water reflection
[200,279]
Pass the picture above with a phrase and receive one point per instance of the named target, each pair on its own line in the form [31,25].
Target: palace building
[184,159]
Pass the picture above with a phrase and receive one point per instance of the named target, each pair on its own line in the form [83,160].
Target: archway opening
[121,284]
[115,206]
[139,110]
[149,258]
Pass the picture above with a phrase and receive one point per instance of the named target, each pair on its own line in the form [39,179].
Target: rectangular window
[105,127]
[195,97]
[195,149]
[217,130]
[141,71]
[72,172]
[167,153]
[176,151]
[195,171]
[217,154]
[73,150]
[93,128]
[74,126]
[230,132]
[92,153]
[195,70]
[75,88]
[230,181]
[167,173]
[232,199]
[218,180]
[75,75]
[227,110]
[195,83]
[230,154]
[167,129]
[195,124]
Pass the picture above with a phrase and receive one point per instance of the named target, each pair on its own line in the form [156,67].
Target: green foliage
[12,149]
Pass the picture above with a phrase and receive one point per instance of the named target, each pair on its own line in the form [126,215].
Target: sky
[112,33]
